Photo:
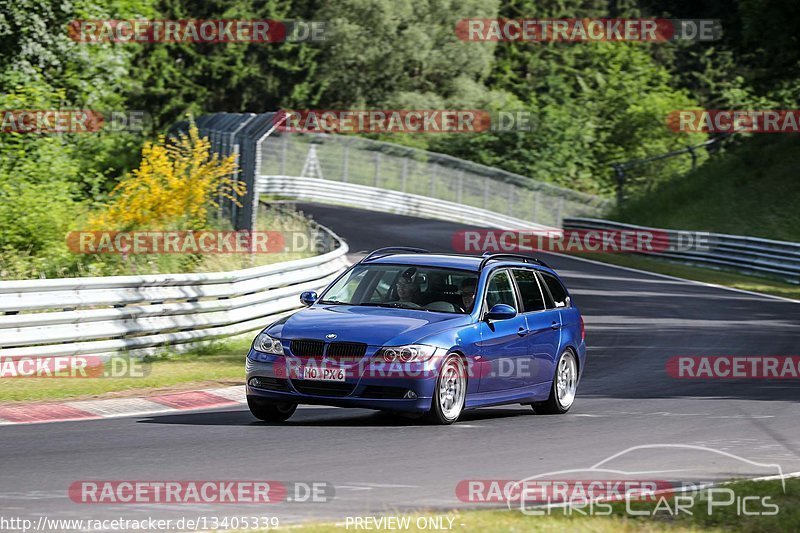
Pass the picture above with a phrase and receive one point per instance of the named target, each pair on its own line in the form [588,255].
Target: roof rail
[389,250]
[497,257]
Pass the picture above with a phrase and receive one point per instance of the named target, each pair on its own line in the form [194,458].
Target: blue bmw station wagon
[425,335]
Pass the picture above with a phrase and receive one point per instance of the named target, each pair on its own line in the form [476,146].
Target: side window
[529,290]
[500,291]
[557,290]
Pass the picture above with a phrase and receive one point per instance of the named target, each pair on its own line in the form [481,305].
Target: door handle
[522,332]
[555,325]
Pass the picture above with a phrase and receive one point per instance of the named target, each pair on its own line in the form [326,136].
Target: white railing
[748,255]
[388,201]
[106,315]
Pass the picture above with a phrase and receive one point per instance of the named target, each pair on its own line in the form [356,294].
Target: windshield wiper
[334,302]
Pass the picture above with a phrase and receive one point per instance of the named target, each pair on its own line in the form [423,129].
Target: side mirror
[501,312]
[308,297]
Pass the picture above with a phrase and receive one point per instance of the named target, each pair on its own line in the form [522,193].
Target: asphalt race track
[635,322]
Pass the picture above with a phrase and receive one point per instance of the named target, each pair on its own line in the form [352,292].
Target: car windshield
[405,286]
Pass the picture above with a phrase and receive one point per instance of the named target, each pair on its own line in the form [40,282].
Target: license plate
[323,374]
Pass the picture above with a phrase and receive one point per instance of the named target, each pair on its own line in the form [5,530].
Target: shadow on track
[311,417]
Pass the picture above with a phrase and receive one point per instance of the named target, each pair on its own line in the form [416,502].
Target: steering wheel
[451,306]
[411,305]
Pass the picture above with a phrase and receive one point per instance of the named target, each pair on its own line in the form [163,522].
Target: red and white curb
[117,407]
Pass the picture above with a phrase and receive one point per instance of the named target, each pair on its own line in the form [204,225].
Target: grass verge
[661,516]
[752,189]
[706,275]
[219,363]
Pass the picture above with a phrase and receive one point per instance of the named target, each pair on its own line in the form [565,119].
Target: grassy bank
[274,219]
[752,189]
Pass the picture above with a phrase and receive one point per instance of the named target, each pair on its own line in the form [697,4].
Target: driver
[408,290]
[467,288]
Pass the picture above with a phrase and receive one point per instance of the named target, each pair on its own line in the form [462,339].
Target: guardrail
[388,201]
[105,315]
[749,255]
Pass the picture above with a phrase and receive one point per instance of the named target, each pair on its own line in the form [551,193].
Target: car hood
[377,326]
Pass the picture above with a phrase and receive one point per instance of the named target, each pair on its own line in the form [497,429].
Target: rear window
[529,290]
[557,290]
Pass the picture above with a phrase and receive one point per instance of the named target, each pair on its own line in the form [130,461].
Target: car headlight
[266,344]
[410,353]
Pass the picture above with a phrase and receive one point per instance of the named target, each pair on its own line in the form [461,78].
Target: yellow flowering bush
[177,182]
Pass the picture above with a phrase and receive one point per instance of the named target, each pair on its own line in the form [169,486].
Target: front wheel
[271,411]
[565,385]
[450,392]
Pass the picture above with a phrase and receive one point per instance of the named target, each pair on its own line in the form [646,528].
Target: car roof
[463,262]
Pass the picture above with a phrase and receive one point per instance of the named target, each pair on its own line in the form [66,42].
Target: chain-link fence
[262,150]
[240,134]
[399,168]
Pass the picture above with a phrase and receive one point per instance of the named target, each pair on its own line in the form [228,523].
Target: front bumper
[368,384]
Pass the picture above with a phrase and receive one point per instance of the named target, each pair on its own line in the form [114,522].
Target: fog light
[410,395]
[255,382]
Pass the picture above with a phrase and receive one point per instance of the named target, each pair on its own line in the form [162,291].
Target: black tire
[437,415]
[554,405]
[271,411]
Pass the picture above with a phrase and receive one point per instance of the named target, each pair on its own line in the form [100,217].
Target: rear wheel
[271,411]
[564,387]
[450,392]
